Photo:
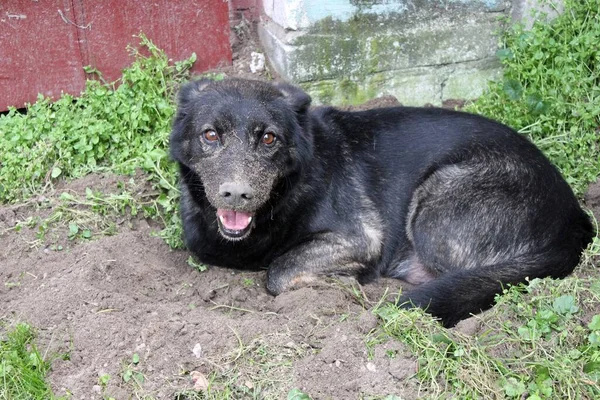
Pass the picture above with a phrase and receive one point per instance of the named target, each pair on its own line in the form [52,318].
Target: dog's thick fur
[454,203]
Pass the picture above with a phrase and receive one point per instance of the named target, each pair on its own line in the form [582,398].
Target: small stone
[371,367]
[197,350]
[367,322]
[200,381]
[257,62]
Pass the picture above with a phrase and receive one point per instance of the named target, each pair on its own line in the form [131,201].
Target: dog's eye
[210,135]
[268,138]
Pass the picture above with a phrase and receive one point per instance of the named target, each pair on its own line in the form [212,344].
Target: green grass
[551,89]
[542,341]
[22,368]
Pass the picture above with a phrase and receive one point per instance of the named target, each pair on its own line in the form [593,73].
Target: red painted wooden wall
[45,44]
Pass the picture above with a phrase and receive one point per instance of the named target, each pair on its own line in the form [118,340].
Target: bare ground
[97,302]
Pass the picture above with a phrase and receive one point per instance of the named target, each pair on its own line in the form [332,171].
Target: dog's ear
[191,90]
[294,96]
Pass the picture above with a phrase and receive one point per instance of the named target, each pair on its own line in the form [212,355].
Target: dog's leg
[412,270]
[321,255]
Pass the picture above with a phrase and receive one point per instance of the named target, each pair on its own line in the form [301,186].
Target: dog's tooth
[222,218]
[249,219]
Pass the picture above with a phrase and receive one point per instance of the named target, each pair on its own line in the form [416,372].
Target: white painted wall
[300,14]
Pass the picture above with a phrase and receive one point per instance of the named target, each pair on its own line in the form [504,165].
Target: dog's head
[241,138]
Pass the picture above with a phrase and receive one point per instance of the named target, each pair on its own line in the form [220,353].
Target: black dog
[458,204]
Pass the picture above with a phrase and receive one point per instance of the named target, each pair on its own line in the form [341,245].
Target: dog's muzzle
[235,224]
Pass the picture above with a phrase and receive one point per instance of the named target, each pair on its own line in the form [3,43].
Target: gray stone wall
[421,51]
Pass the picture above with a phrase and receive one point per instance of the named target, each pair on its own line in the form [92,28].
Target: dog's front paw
[276,282]
[280,281]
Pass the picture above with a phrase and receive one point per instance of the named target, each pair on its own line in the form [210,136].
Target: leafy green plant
[248,282]
[131,372]
[192,262]
[551,88]
[103,381]
[297,394]
[121,127]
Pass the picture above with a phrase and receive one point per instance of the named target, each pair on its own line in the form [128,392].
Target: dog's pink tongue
[234,220]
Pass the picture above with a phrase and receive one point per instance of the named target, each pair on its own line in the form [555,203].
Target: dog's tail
[457,294]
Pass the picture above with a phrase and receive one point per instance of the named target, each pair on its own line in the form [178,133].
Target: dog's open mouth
[234,225]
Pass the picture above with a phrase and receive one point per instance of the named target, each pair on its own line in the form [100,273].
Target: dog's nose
[235,193]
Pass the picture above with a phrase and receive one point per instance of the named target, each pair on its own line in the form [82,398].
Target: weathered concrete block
[526,11]
[423,51]
[411,86]
[468,80]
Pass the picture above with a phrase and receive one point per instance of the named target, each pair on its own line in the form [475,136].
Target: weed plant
[117,127]
[551,88]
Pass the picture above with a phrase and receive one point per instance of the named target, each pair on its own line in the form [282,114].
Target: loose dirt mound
[97,302]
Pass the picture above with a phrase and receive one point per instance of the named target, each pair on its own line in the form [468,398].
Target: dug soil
[97,302]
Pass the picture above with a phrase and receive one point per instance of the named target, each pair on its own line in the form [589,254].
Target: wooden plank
[45,44]
[179,27]
[39,52]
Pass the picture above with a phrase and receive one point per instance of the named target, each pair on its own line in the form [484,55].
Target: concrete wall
[522,10]
[421,51]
